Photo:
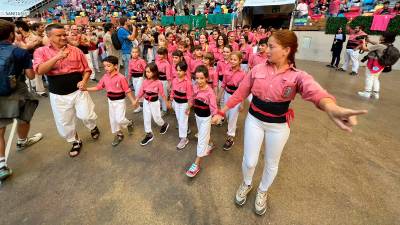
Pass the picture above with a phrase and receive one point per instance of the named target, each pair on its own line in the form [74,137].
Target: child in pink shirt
[151,90]
[205,106]
[117,89]
[197,60]
[246,50]
[181,94]
[261,56]
[212,81]
[223,66]
[164,70]
[136,71]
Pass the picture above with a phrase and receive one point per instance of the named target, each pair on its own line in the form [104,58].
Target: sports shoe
[182,144]
[138,110]
[21,145]
[42,94]
[353,73]
[117,139]
[211,147]
[147,139]
[5,172]
[341,70]
[261,202]
[95,133]
[330,66]
[193,170]
[375,94]
[164,128]
[241,194]
[365,94]
[228,143]
[130,127]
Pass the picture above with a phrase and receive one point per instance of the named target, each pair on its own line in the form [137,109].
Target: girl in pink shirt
[232,78]
[151,90]
[164,71]
[274,85]
[204,43]
[177,57]
[197,60]
[222,67]
[117,89]
[136,70]
[205,106]
[181,94]
[222,41]
[212,81]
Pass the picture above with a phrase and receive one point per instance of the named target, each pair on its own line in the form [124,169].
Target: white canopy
[267,2]
[16,8]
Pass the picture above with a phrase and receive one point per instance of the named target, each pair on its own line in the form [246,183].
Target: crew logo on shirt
[287,91]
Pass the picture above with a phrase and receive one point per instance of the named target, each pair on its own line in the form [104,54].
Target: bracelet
[221,113]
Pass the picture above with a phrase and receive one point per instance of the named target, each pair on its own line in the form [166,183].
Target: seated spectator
[385,10]
[334,7]
[302,9]
[396,9]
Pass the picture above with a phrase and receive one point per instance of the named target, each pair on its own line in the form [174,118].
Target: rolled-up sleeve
[310,90]
[38,58]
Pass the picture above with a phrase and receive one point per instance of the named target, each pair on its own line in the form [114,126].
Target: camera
[361,37]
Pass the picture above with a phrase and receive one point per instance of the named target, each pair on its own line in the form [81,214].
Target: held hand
[81,85]
[216,119]
[168,105]
[241,107]
[344,118]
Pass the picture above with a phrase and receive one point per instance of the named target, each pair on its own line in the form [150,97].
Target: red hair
[287,39]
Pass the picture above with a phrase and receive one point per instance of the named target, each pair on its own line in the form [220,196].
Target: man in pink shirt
[67,70]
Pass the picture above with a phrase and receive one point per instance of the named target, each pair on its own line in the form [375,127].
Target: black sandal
[76,148]
[95,133]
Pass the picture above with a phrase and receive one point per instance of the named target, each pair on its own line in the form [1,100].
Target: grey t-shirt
[379,48]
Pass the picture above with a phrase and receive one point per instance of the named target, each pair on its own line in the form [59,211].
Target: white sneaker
[375,95]
[182,144]
[137,110]
[261,202]
[21,145]
[241,194]
[365,94]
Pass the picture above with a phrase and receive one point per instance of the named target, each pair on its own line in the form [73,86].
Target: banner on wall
[267,2]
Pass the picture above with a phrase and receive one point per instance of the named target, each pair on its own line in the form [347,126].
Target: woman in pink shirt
[117,89]
[222,41]
[223,66]
[151,90]
[246,51]
[205,106]
[181,94]
[204,43]
[136,71]
[274,85]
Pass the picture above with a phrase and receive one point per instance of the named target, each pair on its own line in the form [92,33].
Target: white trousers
[66,108]
[39,83]
[351,55]
[372,82]
[90,63]
[275,135]
[232,116]
[181,117]
[94,56]
[204,131]
[137,83]
[151,110]
[163,103]
[244,67]
[116,110]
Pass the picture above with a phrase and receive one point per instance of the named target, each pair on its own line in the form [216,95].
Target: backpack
[115,40]
[8,80]
[390,56]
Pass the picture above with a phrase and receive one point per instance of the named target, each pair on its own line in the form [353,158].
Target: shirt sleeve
[215,79]
[213,103]
[310,90]
[124,85]
[168,71]
[161,89]
[141,90]
[171,95]
[100,85]
[189,91]
[242,92]
[130,68]
[38,58]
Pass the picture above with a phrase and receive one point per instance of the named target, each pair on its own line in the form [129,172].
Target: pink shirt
[194,64]
[116,83]
[206,96]
[218,54]
[183,86]
[136,65]
[222,67]
[212,77]
[151,86]
[246,50]
[235,46]
[251,37]
[255,59]
[265,84]
[74,62]
[232,78]
[164,67]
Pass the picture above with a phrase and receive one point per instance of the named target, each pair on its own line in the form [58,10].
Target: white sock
[22,141]
[2,161]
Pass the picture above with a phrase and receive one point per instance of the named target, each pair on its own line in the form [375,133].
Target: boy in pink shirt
[136,70]
[197,60]
[164,72]
[117,89]
[261,56]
